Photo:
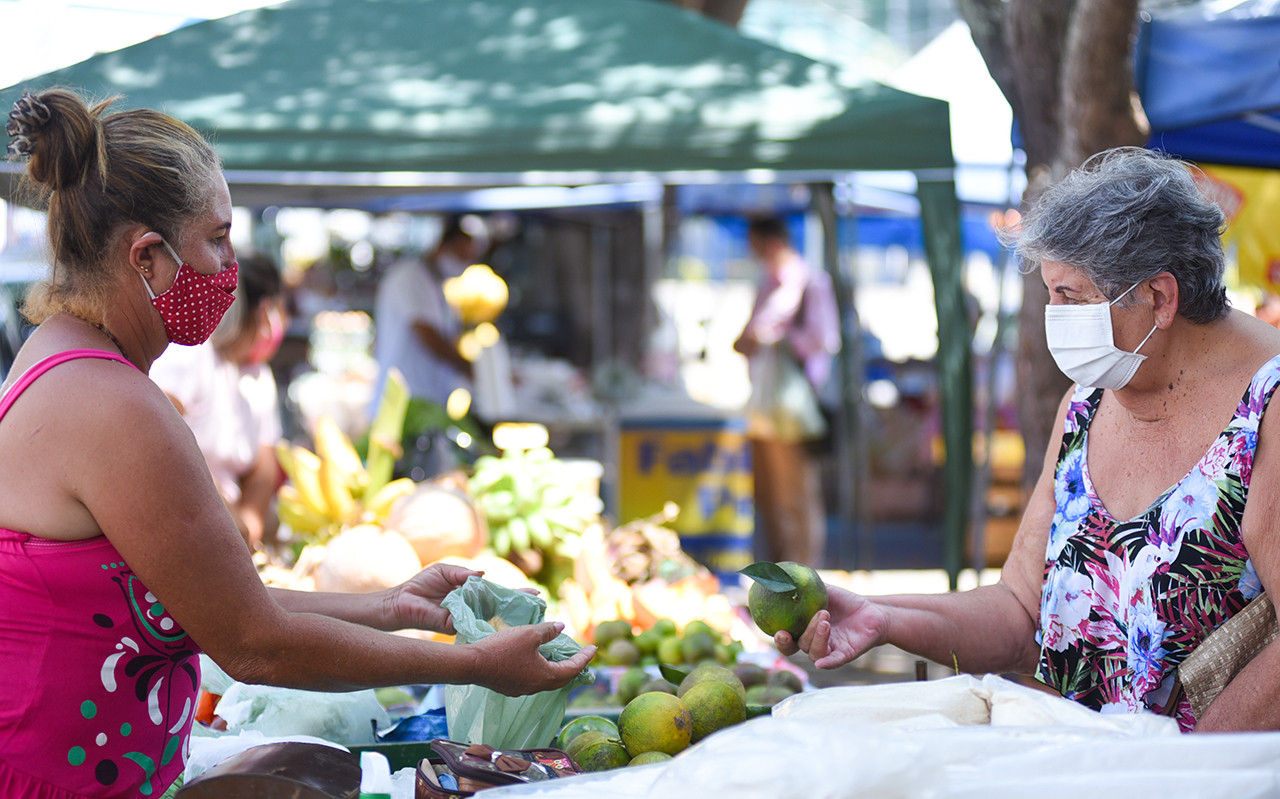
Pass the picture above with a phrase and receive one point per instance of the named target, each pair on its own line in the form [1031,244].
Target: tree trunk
[727,11]
[1098,94]
[1066,68]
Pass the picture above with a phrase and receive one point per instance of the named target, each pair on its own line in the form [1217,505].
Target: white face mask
[1082,344]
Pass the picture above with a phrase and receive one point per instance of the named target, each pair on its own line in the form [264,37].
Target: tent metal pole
[940,216]
[851,467]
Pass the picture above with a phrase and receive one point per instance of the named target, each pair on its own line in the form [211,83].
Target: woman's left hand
[415,603]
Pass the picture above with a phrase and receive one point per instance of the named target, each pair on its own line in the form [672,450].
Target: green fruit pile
[656,725]
[618,645]
[767,687]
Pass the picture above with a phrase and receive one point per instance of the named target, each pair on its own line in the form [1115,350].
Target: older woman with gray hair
[1151,524]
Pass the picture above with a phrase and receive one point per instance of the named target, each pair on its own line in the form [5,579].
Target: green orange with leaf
[784,596]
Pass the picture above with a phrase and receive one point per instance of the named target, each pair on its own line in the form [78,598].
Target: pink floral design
[1125,601]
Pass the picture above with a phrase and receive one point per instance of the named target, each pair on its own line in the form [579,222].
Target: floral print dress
[1126,600]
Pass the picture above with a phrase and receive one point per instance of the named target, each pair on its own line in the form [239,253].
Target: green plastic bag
[479,715]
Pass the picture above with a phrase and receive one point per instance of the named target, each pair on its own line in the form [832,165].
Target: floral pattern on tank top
[1125,601]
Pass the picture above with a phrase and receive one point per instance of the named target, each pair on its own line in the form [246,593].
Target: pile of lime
[618,644]
[656,725]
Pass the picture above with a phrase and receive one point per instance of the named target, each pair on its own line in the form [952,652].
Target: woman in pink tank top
[118,560]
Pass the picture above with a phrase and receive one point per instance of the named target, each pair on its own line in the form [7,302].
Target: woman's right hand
[509,661]
[849,626]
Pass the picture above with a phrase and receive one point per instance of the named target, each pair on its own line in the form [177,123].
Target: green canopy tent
[334,101]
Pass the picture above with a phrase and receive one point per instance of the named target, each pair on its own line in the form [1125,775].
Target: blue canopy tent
[1209,77]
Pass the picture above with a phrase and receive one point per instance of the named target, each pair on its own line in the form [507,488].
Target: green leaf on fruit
[771,576]
[671,674]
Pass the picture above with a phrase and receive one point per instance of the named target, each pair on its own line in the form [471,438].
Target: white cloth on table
[959,738]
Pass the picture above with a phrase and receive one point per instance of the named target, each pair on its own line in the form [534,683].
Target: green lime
[575,727]
[788,610]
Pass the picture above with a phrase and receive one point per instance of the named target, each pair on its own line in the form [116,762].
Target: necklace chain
[114,340]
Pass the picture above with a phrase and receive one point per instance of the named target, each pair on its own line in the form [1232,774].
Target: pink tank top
[98,682]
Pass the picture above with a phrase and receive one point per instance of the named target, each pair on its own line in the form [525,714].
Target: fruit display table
[954,738]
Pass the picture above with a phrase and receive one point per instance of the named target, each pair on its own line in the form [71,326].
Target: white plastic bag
[344,718]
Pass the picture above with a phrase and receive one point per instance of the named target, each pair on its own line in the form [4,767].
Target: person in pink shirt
[119,561]
[789,341]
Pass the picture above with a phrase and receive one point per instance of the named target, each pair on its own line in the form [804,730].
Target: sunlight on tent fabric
[213,105]
[648,78]
[127,77]
[557,34]
[798,109]
[951,68]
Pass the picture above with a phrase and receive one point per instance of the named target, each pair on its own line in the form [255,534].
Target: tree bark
[1036,33]
[727,11]
[1066,68]
[1099,98]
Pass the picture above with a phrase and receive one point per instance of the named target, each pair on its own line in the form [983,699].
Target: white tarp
[960,737]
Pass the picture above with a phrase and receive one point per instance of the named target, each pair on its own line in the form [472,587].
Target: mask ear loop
[1153,327]
[172,254]
[1113,302]
[1148,338]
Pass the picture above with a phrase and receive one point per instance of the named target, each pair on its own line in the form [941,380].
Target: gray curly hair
[1127,215]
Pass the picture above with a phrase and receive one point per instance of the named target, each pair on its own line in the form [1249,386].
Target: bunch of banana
[530,503]
[331,488]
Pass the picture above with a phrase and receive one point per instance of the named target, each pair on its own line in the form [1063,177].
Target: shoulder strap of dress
[1263,385]
[1084,402]
[28,377]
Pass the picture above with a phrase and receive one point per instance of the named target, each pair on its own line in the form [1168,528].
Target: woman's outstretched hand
[509,661]
[849,626]
[415,603]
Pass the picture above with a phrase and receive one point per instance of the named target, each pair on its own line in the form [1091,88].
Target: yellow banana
[380,504]
[284,456]
[337,494]
[306,467]
[386,430]
[294,512]
[333,445]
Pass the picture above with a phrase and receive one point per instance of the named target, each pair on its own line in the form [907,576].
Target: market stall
[1206,75]
[957,737]
[330,103]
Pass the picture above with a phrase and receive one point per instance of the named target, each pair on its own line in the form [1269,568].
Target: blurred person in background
[417,331]
[789,342]
[227,394]
[1268,309]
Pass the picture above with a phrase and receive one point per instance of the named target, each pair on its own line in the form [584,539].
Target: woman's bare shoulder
[90,406]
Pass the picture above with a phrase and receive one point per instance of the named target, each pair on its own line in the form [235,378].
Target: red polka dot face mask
[195,303]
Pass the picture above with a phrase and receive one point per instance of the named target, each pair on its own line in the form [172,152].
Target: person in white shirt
[226,392]
[417,330]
